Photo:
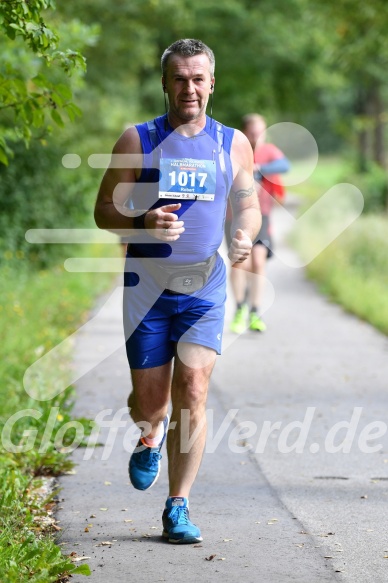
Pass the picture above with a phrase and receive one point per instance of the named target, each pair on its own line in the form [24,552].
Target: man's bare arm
[246,211]
[116,187]
[244,192]
[244,200]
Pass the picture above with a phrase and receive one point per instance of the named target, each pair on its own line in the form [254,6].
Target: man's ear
[164,85]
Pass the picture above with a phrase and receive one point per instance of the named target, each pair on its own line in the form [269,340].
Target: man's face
[188,82]
[255,132]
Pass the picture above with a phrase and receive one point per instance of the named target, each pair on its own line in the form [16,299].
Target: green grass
[327,172]
[353,270]
[37,311]
[28,551]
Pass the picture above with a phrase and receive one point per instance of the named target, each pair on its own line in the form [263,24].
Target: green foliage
[353,270]
[299,60]
[358,45]
[29,301]
[39,441]
[44,307]
[24,556]
[373,184]
[36,191]
[265,72]
[355,56]
[328,172]
[24,18]
[35,88]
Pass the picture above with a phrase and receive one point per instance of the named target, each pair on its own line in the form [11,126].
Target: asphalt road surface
[293,484]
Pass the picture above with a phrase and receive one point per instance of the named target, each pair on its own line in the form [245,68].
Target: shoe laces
[179,514]
[149,457]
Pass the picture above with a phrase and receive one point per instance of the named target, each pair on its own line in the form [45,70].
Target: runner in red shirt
[269,163]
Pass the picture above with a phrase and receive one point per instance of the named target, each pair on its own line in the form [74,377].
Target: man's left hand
[240,247]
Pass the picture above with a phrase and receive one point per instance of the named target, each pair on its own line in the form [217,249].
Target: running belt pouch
[182,279]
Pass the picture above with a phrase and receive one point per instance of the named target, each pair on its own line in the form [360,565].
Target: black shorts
[264,236]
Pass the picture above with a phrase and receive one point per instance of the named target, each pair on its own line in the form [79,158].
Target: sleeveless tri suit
[197,172]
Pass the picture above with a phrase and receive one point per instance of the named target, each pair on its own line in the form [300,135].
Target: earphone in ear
[164,88]
[211,86]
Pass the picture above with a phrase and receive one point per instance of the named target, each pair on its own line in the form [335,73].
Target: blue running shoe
[177,526]
[144,465]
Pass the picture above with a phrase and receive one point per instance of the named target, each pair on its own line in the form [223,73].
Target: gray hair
[188,47]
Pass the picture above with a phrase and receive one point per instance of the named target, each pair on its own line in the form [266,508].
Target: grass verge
[37,311]
[353,270]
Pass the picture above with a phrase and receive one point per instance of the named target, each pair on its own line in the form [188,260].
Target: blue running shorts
[155,321]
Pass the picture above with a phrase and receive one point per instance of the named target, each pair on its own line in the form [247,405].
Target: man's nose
[189,86]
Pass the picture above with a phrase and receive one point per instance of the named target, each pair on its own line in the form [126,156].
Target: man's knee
[196,393]
[190,393]
[193,360]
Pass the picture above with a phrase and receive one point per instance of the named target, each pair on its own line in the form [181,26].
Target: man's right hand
[163,224]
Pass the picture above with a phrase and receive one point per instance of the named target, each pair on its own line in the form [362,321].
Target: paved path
[269,514]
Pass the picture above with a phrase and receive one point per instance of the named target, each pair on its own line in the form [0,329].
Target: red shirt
[271,184]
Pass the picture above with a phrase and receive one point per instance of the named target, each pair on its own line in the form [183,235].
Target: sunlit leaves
[35,70]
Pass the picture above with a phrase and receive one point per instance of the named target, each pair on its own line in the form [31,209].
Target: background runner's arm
[275,166]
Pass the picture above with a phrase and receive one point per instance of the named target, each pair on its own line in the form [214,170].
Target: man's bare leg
[150,396]
[148,404]
[190,383]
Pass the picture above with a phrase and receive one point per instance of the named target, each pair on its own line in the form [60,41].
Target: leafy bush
[374,186]
[36,191]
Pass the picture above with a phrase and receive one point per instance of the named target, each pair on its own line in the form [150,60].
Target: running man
[175,284]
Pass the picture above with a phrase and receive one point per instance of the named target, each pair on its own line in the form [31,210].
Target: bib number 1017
[187,178]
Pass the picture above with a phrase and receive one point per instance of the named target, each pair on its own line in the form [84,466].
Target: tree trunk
[362,150]
[378,126]
[362,137]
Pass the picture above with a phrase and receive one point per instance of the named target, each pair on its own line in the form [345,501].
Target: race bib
[186,178]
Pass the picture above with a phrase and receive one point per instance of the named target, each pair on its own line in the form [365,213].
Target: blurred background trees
[321,64]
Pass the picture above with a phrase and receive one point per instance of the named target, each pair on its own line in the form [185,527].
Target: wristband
[138,222]
[257,175]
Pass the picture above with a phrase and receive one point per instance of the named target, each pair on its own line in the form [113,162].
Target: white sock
[154,441]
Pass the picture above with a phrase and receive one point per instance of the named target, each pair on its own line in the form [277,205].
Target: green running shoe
[256,323]
[239,322]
